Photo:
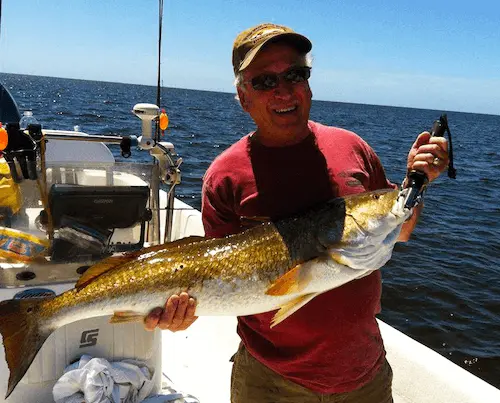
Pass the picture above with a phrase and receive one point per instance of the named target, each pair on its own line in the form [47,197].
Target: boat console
[85,217]
[104,206]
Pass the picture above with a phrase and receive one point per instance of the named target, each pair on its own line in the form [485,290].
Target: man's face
[282,111]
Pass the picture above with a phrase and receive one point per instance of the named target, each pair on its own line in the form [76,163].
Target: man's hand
[177,314]
[429,155]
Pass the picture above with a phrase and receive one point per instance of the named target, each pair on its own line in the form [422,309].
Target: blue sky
[442,55]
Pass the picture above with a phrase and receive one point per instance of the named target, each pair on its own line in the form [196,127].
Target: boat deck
[197,362]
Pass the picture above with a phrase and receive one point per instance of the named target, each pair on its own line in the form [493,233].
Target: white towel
[170,394]
[95,380]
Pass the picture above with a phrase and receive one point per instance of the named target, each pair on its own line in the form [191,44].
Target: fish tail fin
[22,336]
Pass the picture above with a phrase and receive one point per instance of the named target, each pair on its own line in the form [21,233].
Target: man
[330,350]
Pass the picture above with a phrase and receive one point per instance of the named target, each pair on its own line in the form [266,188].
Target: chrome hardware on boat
[165,155]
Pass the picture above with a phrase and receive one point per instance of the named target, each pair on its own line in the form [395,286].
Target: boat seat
[9,112]
[71,153]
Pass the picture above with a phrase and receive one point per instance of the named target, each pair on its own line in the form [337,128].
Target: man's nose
[284,88]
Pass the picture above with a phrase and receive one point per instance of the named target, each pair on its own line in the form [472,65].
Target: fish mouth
[398,209]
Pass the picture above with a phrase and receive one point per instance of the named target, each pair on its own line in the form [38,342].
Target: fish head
[371,214]
[358,219]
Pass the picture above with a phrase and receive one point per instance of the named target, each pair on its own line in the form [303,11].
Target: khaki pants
[253,382]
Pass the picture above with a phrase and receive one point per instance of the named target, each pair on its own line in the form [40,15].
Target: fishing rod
[417,180]
[158,84]
[171,175]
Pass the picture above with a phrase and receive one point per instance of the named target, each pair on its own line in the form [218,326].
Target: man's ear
[243,99]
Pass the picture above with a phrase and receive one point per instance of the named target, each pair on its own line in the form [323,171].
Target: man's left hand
[429,155]
[177,314]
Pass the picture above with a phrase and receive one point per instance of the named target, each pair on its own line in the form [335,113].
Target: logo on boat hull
[89,338]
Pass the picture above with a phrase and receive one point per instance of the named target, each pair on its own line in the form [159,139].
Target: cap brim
[299,41]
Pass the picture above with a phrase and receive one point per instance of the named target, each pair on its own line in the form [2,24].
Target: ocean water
[442,288]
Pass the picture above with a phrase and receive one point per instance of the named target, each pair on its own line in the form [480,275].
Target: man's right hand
[177,314]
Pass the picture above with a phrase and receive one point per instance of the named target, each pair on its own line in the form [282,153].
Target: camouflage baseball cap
[248,43]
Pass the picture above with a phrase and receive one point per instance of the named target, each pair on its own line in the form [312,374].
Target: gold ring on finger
[436,161]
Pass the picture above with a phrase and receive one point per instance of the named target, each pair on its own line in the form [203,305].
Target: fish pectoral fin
[337,257]
[126,317]
[340,259]
[291,307]
[294,280]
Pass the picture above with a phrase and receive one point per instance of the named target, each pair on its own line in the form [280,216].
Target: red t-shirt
[332,344]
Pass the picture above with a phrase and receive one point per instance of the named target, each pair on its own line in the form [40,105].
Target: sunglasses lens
[295,75]
[264,82]
[298,75]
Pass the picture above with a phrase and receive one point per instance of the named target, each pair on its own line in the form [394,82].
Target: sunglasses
[294,75]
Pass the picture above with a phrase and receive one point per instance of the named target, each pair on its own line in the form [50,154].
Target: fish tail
[22,336]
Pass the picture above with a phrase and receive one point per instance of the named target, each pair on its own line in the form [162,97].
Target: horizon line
[233,93]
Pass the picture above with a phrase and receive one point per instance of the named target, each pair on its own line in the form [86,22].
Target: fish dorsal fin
[293,281]
[182,241]
[97,269]
[115,261]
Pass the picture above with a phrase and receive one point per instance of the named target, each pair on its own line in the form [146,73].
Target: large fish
[276,265]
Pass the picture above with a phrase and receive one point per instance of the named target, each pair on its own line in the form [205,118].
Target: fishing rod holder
[22,151]
[169,162]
